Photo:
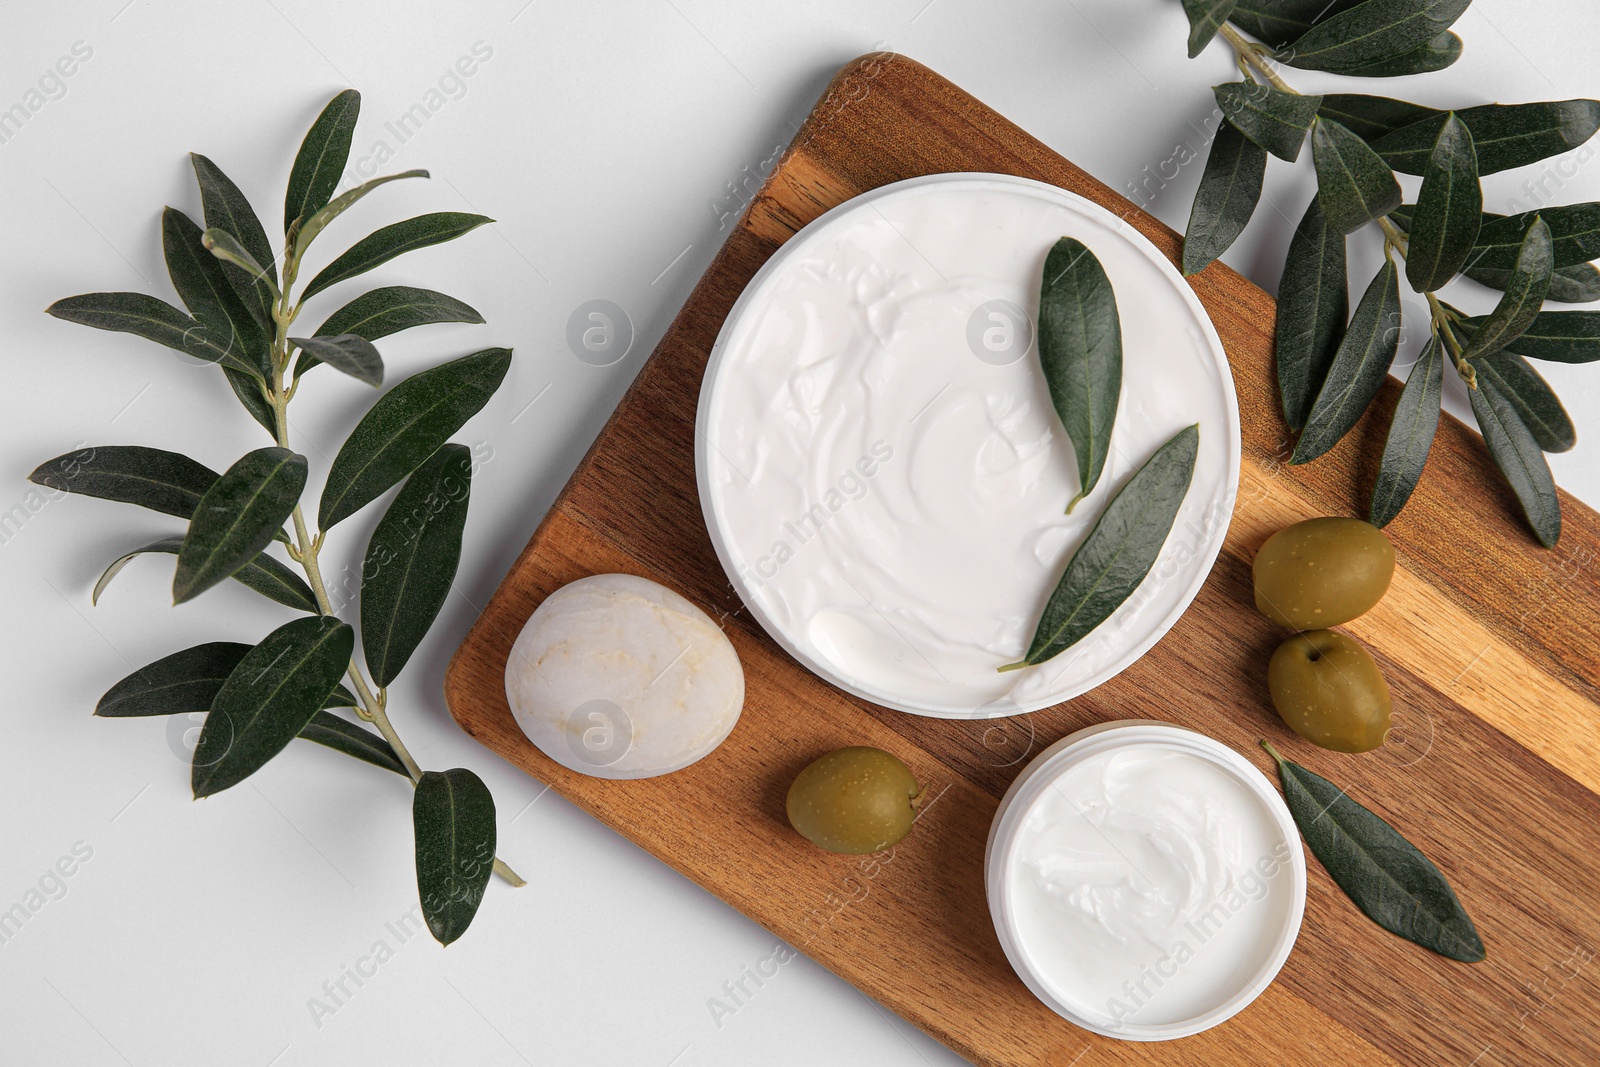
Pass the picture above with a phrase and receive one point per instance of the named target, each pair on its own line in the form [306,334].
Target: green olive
[1322,572]
[1330,691]
[854,800]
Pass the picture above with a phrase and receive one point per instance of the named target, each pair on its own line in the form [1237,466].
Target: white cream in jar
[881,469]
[1146,882]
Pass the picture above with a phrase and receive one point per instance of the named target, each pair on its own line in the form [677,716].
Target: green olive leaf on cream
[1382,873]
[1080,350]
[1114,559]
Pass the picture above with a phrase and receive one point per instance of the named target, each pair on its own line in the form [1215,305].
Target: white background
[611,140]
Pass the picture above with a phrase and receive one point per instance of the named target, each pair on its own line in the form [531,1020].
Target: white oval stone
[619,677]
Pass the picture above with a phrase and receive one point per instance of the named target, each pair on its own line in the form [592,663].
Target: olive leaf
[314,225]
[388,310]
[264,574]
[1372,117]
[1275,120]
[321,158]
[276,689]
[452,814]
[1229,188]
[405,427]
[1523,297]
[197,276]
[186,682]
[1576,283]
[1313,306]
[342,735]
[1205,19]
[1433,55]
[347,352]
[1353,183]
[153,478]
[1536,404]
[227,209]
[1370,33]
[1558,336]
[1080,352]
[393,308]
[397,238]
[153,319]
[411,560]
[248,390]
[237,518]
[1382,873]
[1359,367]
[1444,227]
[1507,135]
[1114,559]
[225,247]
[1517,453]
[1278,22]
[1574,236]
[1411,430]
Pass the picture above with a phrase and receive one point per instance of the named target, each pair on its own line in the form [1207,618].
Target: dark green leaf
[1444,227]
[1558,336]
[342,735]
[264,574]
[1433,55]
[382,245]
[248,390]
[1275,120]
[1278,22]
[268,699]
[1313,307]
[153,319]
[394,308]
[1524,295]
[347,352]
[389,310]
[1574,234]
[1507,135]
[183,682]
[340,204]
[1371,32]
[1371,117]
[1205,19]
[225,248]
[1114,559]
[405,427]
[321,158]
[453,816]
[197,276]
[227,209]
[1359,367]
[1080,351]
[1536,404]
[237,518]
[186,682]
[133,474]
[1518,455]
[1577,283]
[1229,189]
[1355,186]
[1416,418]
[1382,873]
[411,560]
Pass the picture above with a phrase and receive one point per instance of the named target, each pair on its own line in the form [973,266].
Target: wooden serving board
[1491,646]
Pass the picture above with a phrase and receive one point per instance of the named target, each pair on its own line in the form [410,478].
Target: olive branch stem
[306,549]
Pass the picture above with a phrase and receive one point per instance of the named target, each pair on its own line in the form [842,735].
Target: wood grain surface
[1488,641]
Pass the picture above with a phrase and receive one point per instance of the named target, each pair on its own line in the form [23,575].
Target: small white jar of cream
[1145,881]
